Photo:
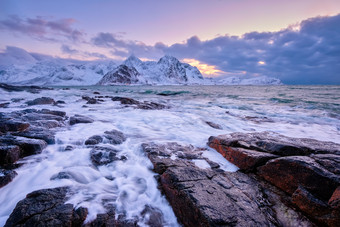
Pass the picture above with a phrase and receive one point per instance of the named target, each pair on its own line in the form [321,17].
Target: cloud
[83,54]
[124,48]
[305,54]
[43,29]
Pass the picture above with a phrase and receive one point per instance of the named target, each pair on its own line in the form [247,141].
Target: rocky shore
[282,181]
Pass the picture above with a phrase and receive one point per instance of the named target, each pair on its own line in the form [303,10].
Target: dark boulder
[114,136]
[12,125]
[41,101]
[31,89]
[77,119]
[139,105]
[38,133]
[213,125]
[93,140]
[4,104]
[9,154]
[6,176]
[125,101]
[46,207]
[28,146]
[103,155]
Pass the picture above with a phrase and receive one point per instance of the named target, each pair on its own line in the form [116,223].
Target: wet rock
[96,93]
[246,160]
[12,125]
[46,207]
[139,105]
[53,112]
[41,101]
[334,201]
[109,219]
[274,143]
[125,101]
[9,154]
[114,136]
[93,140]
[38,133]
[6,176]
[4,105]
[214,125]
[90,100]
[306,169]
[258,119]
[60,102]
[69,148]
[28,146]
[208,197]
[31,89]
[288,173]
[77,119]
[328,161]
[103,155]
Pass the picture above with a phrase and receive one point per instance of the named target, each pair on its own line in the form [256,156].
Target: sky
[295,41]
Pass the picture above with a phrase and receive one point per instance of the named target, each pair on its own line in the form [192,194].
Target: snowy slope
[258,80]
[19,67]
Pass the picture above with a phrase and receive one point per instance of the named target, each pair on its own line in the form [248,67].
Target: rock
[214,125]
[276,144]
[92,101]
[114,136]
[38,133]
[4,105]
[96,93]
[6,176]
[69,148]
[53,112]
[288,173]
[41,101]
[103,155]
[31,89]
[208,197]
[59,102]
[328,161]
[108,219]
[334,201]
[93,140]
[46,207]
[9,154]
[258,119]
[125,101]
[12,125]
[246,160]
[28,146]
[76,119]
[139,105]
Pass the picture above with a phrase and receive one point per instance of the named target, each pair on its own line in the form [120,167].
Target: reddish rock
[9,154]
[288,173]
[334,201]
[247,160]
[212,197]
[13,126]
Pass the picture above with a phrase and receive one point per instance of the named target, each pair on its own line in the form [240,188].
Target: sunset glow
[206,70]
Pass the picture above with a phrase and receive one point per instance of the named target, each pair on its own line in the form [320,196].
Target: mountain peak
[132,60]
[168,59]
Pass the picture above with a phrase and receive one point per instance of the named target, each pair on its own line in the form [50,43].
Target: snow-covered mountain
[168,70]
[258,80]
[19,67]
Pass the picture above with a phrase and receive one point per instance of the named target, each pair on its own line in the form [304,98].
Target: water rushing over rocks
[89,143]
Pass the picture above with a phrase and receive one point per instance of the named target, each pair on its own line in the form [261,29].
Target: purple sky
[296,41]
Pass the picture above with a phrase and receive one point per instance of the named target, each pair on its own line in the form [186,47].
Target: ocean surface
[295,111]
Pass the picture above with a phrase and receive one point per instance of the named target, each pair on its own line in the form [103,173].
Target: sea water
[130,186]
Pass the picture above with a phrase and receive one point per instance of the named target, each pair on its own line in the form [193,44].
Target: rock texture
[306,169]
[78,119]
[211,197]
[139,105]
[26,132]
[46,208]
